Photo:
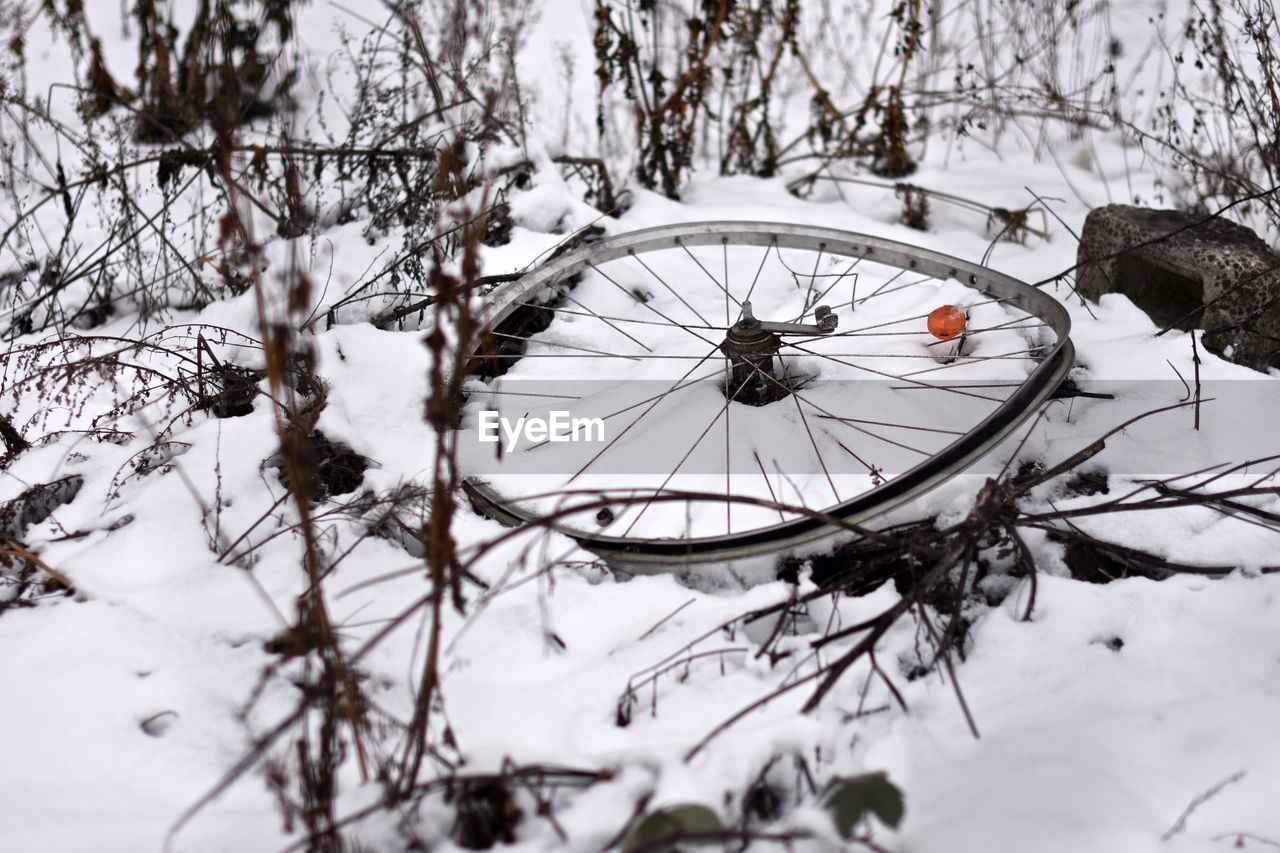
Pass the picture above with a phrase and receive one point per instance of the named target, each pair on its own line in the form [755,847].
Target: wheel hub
[750,348]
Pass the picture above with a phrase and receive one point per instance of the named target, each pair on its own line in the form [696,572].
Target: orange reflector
[946,321]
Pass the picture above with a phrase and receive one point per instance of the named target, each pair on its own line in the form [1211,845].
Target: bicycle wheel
[739,384]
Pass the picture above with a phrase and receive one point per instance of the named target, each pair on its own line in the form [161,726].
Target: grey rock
[1187,273]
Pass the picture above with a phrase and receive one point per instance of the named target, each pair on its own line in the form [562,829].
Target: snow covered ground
[1099,721]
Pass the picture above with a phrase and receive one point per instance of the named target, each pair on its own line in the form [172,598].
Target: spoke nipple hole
[973,279]
[604,516]
[913,265]
[952,273]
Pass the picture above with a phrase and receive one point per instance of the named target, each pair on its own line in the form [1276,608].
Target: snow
[1087,747]
[183,572]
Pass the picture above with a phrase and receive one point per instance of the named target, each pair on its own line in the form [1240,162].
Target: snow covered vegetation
[369,484]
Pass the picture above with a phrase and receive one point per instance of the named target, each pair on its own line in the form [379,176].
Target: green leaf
[851,798]
[663,829]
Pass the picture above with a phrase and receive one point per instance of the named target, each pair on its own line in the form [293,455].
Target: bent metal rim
[1039,385]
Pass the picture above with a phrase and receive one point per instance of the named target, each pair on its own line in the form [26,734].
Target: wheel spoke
[773,245]
[887,375]
[673,323]
[865,464]
[891,424]
[960,360]
[848,422]
[671,289]
[714,280]
[722,413]
[601,319]
[772,496]
[562,346]
[517,356]
[724,245]
[595,316]
[809,432]
[728,492]
[628,427]
[490,392]
[678,465]
[971,359]
[679,385]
